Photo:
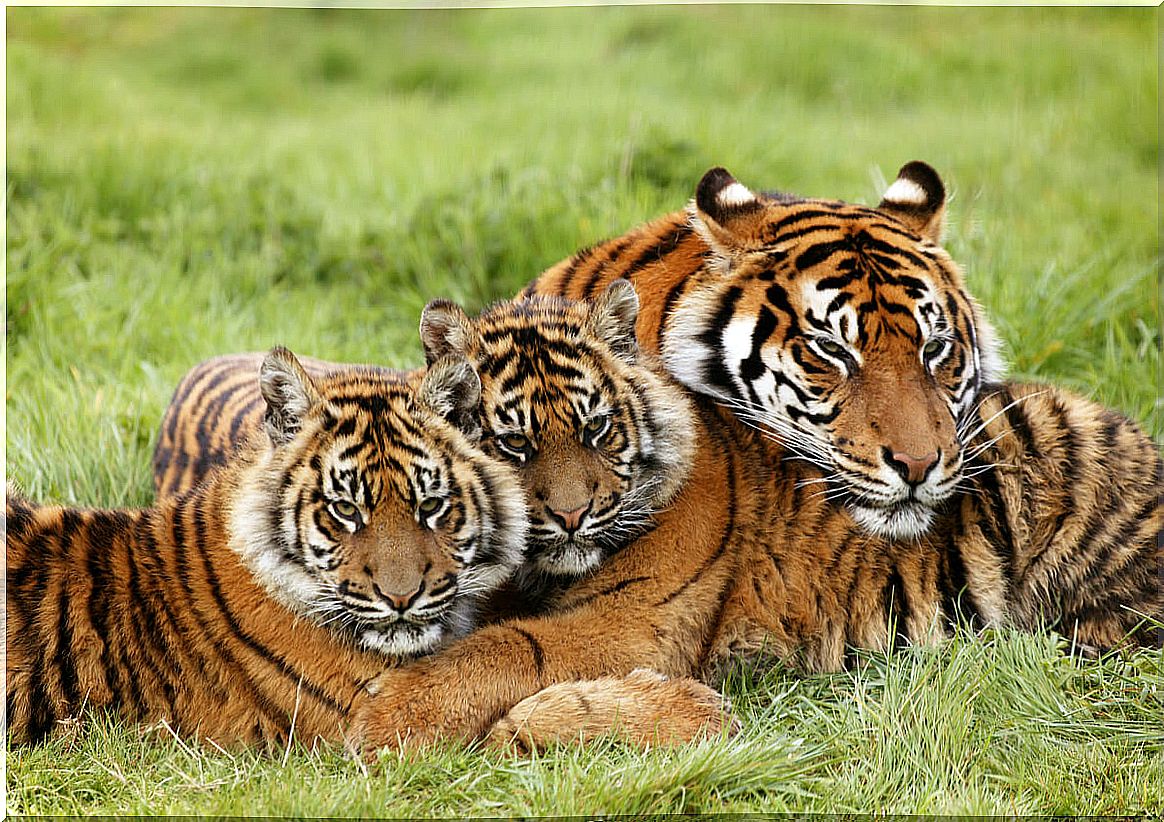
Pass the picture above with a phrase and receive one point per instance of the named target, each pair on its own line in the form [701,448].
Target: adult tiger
[598,435]
[260,604]
[859,475]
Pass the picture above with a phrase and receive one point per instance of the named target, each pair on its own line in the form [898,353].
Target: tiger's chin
[908,519]
[403,640]
[569,558]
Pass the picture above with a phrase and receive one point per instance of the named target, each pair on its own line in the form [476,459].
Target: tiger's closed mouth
[909,503]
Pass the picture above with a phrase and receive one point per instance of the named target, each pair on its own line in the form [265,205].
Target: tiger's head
[846,332]
[373,511]
[599,435]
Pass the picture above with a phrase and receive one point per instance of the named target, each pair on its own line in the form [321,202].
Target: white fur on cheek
[251,538]
[684,351]
[736,339]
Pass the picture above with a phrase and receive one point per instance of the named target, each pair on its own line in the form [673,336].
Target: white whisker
[967,437]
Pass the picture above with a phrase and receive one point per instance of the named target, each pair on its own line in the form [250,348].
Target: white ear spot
[735,194]
[906,192]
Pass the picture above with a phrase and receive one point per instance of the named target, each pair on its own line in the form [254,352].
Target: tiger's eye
[595,427]
[346,513]
[515,442]
[430,505]
[933,348]
[831,347]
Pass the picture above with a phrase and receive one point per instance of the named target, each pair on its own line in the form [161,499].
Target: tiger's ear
[445,329]
[452,389]
[289,392]
[727,214]
[917,198]
[613,316]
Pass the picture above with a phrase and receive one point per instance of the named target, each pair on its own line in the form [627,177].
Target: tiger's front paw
[643,708]
[394,713]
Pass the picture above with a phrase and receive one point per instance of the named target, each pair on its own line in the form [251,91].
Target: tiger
[846,334]
[599,436]
[864,476]
[358,529]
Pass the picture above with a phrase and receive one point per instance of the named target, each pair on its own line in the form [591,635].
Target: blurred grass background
[188,182]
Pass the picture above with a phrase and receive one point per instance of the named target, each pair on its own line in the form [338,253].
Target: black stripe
[1068,464]
[672,297]
[958,600]
[71,525]
[1100,518]
[715,371]
[583,601]
[208,421]
[272,712]
[658,250]
[41,715]
[28,567]
[1016,418]
[997,526]
[822,209]
[567,275]
[246,413]
[888,254]
[816,254]
[103,594]
[108,530]
[712,630]
[1098,570]
[17,519]
[594,283]
[257,647]
[146,627]
[179,400]
[539,657]
[63,658]
[804,231]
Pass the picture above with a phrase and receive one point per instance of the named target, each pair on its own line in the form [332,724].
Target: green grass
[1005,724]
[188,182]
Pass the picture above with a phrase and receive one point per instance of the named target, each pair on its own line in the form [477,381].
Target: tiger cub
[600,439]
[365,527]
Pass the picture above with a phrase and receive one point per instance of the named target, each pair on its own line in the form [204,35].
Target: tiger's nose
[398,600]
[571,520]
[912,469]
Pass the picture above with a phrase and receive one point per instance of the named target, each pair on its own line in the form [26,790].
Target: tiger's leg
[643,708]
[459,693]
